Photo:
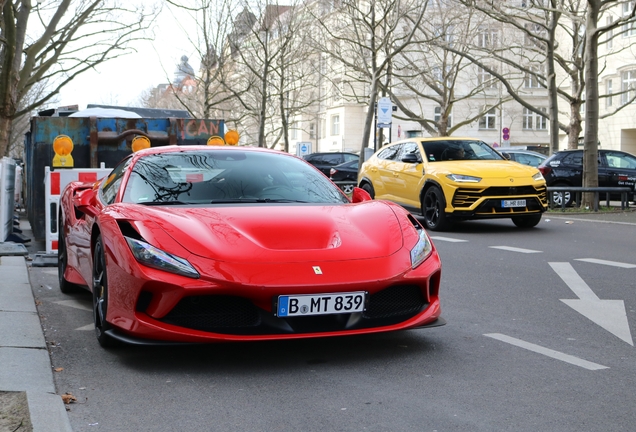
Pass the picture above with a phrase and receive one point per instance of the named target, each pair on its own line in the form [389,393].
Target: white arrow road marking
[609,314]
[86,327]
[514,249]
[609,263]
[547,352]
[448,239]
[74,304]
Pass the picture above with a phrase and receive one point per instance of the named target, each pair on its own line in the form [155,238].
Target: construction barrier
[54,184]
[7,196]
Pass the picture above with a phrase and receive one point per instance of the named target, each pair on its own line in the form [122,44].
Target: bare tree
[55,41]
[362,40]
[428,73]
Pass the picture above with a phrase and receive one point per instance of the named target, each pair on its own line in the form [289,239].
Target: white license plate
[320,304]
[513,203]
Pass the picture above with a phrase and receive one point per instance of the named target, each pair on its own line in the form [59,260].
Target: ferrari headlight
[538,176]
[422,249]
[463,178]
[156,258]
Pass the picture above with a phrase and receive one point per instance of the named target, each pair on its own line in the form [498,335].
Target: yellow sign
[63,146]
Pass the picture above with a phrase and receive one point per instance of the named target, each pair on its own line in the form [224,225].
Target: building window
[629,29]
[533,79]
[534,35]
[488,38]
[293,131]
[312,130]
[335,125]
[486,79]
[609,92]
[445,32]
[532,120]
[487,121]
[438,117]
[628,86]
[610,33]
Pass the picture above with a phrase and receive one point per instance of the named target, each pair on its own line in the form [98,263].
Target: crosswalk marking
[514,249]
[546,352]
[604,262]
[448,239]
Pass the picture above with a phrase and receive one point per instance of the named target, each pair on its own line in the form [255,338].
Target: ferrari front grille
[212,313]
[395,301]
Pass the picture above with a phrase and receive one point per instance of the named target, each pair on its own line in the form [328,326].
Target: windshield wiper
[254,200]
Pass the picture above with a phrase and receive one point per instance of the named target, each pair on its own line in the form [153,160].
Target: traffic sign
[385,111]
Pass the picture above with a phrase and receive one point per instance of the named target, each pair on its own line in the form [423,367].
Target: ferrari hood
[487,168]
[283,233]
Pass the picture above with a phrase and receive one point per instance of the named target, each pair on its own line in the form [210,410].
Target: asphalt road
[519,352]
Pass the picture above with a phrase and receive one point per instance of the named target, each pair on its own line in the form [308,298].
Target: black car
[325,161]
[526,157]
[346,172]
[565,168]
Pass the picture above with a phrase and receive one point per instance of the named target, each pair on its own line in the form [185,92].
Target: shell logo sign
[231,138]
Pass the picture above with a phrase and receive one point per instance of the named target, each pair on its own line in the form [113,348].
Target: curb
[25,360]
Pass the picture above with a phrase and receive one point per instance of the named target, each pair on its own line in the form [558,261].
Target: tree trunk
[5,134]
[590,143]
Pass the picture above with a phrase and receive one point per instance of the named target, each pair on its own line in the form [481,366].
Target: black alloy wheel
[100,295]
[526,221]
[62,260]
[368,188]
[433,206]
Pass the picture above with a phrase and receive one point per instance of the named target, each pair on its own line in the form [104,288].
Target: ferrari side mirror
[84,201]
[360,195]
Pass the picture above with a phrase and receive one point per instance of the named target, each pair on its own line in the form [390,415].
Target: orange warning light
[232,137]
[216,141]
[140,142]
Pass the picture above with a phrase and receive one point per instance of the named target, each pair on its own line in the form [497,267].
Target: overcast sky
[121,81]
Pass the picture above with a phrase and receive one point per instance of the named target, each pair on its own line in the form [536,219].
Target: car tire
[558,197]
[100,296]
[368,188]
[62,260]
[526,221]
[433,205]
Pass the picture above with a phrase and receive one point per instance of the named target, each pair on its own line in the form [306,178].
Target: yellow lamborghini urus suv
[455,179]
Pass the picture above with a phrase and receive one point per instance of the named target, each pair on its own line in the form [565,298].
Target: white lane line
[547,352]
[74,304]
[604,262]
[514,249]
[448,239]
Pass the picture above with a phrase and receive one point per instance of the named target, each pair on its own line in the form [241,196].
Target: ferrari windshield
[227,176]
[446,150]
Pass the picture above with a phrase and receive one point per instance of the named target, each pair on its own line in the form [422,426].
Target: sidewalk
[24,359]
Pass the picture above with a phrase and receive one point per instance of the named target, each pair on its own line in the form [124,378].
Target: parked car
[347,171]
[565,168]
[430,175]
[325,161]
[208,244]
[526,157]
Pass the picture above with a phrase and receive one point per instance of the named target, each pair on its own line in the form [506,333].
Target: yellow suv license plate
[320,304]
[513,203]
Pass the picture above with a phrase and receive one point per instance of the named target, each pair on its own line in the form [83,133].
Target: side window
[620,160]
[332,159]
[575,158]
[110,186]
[390,153]
[410,148]
[350,157]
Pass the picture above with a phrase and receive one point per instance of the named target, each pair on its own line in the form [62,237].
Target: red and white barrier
[54,184]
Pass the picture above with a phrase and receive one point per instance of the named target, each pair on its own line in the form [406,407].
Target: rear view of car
[325,161]
[451,179]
